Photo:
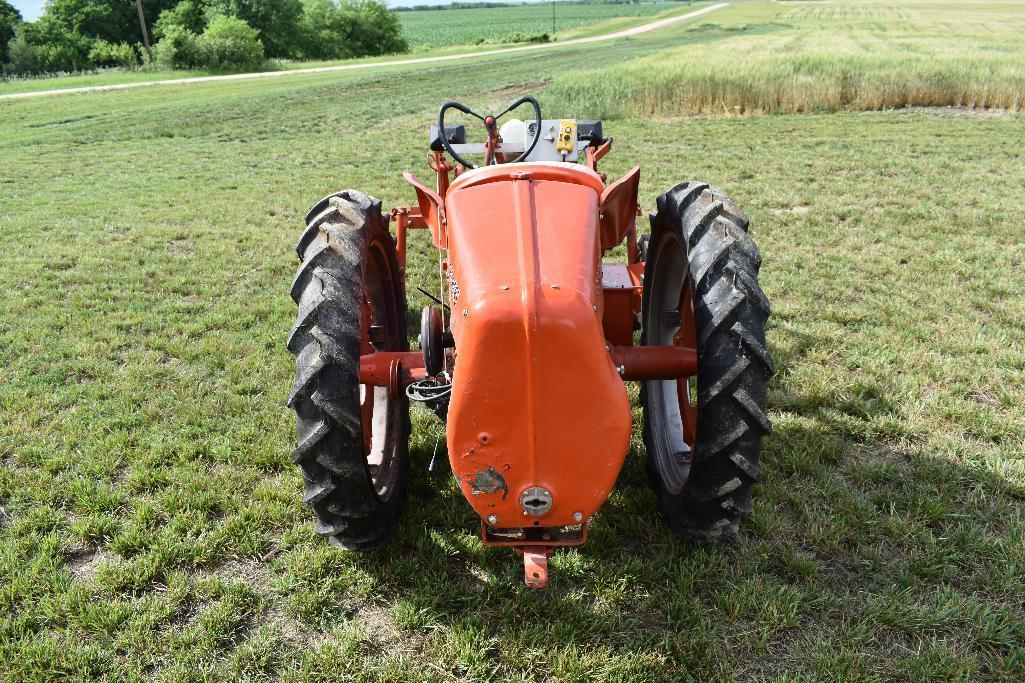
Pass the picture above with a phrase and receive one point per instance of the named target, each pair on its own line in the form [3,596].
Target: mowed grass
[445,32]
[151,527]
[787,57]
[442,32]
[434,28]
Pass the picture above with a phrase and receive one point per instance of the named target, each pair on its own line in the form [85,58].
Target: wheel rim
[381,415]
[673,414]
[686,388]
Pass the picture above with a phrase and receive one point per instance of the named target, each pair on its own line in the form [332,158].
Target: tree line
[77,35]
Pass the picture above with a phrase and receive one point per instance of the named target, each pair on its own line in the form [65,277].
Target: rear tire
[351,301]
[700,249]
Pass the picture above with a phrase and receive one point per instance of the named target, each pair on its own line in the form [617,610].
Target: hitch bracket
[535,566]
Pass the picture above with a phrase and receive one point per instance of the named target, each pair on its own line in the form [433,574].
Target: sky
[30,9]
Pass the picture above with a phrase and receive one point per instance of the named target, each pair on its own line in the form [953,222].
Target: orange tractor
[527,354]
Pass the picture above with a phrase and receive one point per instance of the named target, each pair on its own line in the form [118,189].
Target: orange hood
[536,400]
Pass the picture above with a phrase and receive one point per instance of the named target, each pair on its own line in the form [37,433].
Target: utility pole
[553,19]
[145,33]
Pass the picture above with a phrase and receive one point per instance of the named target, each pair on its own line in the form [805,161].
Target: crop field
[150,517]
[434,28]
[822,56]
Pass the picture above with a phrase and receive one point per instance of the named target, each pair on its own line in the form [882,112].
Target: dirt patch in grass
[253,573]
[380,629]
[84,563]
[795,210]
[286,627]
[882,454]
[983,399]
[180,247]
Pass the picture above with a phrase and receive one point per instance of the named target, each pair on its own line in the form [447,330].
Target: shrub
[229,43]
[187,14]
[113,54]
[276,22]
[178,49]
[350,28]
[521,37]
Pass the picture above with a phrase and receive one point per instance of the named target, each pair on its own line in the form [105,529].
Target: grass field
[430,33]
[433,28]
[787,57]
[150,525]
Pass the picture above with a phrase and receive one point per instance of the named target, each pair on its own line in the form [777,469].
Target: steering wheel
[490,124]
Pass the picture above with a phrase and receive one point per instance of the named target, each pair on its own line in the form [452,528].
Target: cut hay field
[791,57]
[429,32]
[150,518]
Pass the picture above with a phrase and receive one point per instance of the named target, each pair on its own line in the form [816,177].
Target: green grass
[818,56]
[582,22]
[434,28]
[106,77]
[443,32]
[151,526]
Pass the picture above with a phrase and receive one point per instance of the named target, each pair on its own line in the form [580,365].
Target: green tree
[59,46]
[188,14]
[115,21]
[78,16]
[66,32]
[22,55]
[9,20]
[378,30]
[276,20]
[324,34]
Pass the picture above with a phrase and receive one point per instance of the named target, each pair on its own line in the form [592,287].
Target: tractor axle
[654,362]
[398,369]
[393,369]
